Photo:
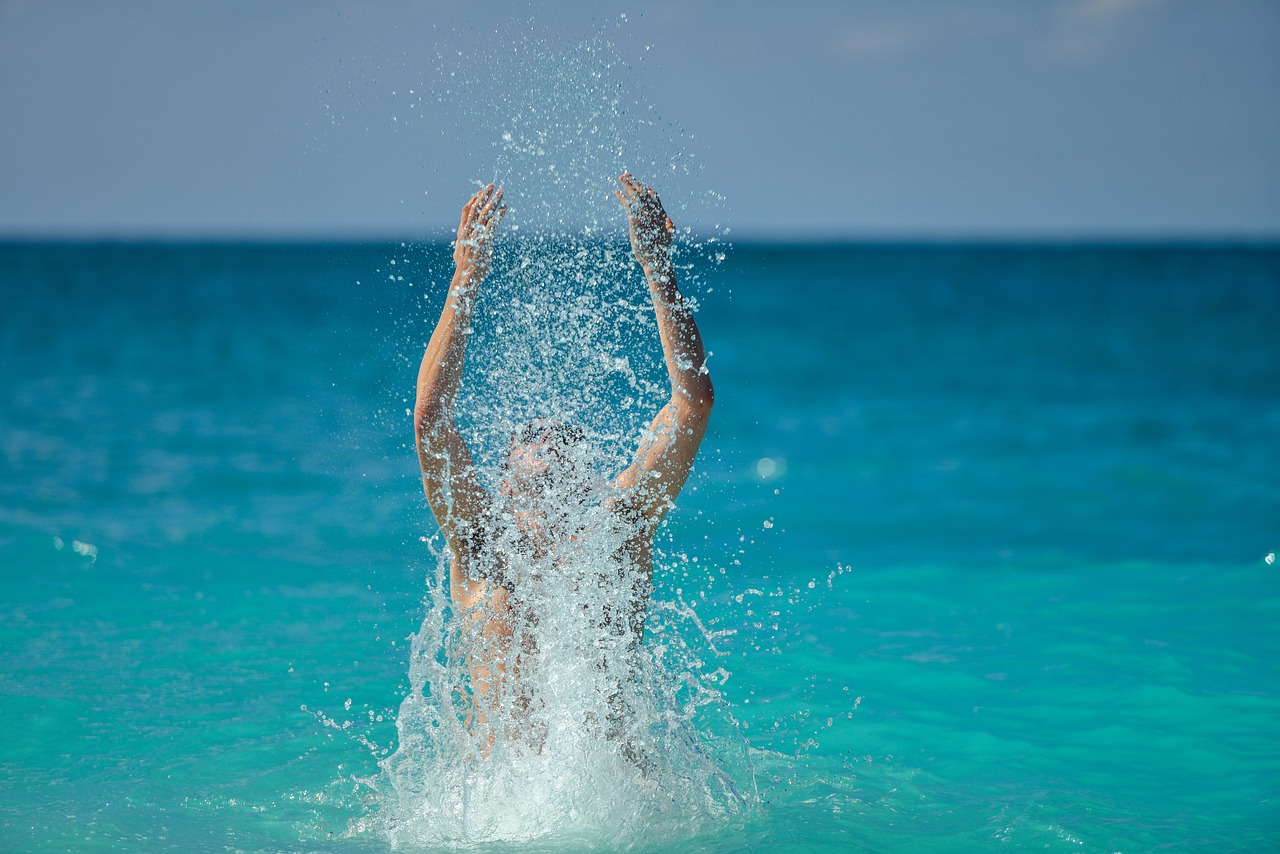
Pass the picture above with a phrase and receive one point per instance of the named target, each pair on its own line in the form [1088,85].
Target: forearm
[682,347]
[440,373]
[647,488]
[457,500]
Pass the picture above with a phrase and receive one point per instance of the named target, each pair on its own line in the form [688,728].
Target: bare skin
[641,495]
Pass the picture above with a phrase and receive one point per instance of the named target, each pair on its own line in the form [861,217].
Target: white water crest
[596,741]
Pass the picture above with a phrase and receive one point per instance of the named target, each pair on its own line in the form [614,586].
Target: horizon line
[747,238]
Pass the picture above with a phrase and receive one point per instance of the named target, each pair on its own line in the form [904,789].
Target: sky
[982,119]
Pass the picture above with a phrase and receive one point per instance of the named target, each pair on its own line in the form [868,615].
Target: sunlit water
[1003,576]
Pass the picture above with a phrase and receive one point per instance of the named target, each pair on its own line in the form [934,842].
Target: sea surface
[983,537]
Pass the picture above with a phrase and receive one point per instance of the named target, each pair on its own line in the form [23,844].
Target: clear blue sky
[1061,118]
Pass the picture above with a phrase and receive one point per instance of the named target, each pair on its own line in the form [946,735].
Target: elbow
[428,417]
[706,395]
[700,396]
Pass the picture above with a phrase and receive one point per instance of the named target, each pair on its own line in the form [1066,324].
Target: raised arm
[665,455]
[459,503]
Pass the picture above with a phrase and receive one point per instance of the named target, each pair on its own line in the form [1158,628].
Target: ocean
[979,552]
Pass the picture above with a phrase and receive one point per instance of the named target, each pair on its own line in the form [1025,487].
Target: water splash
[584,735]
[600,742]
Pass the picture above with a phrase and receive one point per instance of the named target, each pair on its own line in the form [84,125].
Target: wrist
[657,261]
[462,291]
[467,277]
[662,284]
[651,248]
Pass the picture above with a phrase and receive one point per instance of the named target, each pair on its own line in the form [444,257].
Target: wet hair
[548,431]
[543,474]
[557,444]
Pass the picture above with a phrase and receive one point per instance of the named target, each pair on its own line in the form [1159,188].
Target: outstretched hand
[473,250]
[651,228]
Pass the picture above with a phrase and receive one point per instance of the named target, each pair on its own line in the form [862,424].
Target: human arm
[459,503]
[664,458]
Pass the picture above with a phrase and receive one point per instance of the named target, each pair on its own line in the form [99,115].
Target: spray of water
[586,735]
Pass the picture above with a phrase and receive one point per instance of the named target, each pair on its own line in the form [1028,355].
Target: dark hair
[547,430]
[554,443]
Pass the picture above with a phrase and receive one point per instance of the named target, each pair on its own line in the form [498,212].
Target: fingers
[466,213]
[492,212]
[483,210]
[492,199]
[633,186]
[634,190]
[471,208]
[634,194]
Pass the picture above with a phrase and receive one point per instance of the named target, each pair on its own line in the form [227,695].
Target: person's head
[544,475]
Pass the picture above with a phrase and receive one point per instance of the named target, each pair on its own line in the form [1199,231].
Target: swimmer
[542,479]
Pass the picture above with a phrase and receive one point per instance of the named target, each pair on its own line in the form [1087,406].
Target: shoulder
[473,575]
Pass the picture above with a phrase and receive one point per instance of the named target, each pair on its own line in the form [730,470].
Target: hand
[651,228]
[473,250]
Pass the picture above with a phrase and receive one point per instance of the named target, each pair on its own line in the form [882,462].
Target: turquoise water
[985,531]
